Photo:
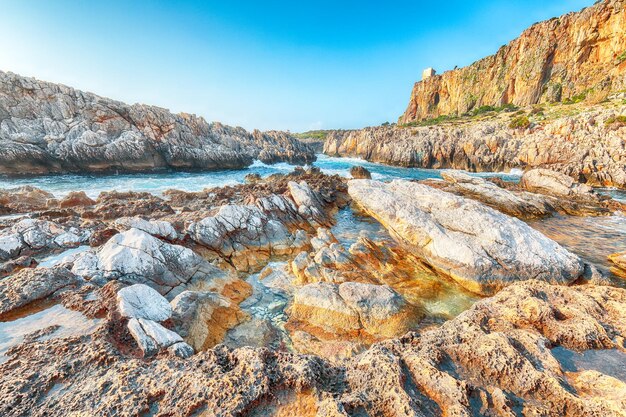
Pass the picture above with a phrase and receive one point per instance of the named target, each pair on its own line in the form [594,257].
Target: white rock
[479,247]
[142,302]
[157,228]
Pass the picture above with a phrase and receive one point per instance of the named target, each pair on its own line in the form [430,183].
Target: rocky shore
[50,128]
[246,300]
[587,145]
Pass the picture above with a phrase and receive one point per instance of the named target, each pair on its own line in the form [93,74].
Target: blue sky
[268,65]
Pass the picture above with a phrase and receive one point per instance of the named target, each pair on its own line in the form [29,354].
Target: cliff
[51,128]
[588,145]
[579,55]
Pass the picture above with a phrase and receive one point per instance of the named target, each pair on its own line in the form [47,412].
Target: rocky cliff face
[586,146]
[577,54]
[47,128]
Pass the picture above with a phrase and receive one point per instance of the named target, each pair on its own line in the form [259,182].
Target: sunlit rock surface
[480,248]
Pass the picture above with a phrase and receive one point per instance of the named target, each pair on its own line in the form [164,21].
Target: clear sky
[289,65]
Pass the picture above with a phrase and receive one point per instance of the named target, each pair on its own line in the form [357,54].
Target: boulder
[157,228]
[142,302]
[29,285]
[136,257]
[203,318]
[619,263]
[25,200]
[30,236]
[545,181]
[352,307]
[359,172]
[76,199]
[310,203]
[477,246]
[151,337]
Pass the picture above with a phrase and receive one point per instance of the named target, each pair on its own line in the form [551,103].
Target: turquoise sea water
[157,182]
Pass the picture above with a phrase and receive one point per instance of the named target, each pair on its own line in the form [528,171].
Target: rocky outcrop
[30,285]
[25,199]
[574,55]
[548,182]
[508,355]
[515,200]
[352,307]
[481,249]
[31,236]
[619,264]
[580,146]
[49,128]
[360,173]
[136,257]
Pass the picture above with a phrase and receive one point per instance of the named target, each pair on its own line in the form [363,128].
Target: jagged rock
[578,145]
[254,332]
[49,127]
[481,249]
[248,235]
[136,257]
[25,199]
[352,307]
[142,302]
[252,178]
[156,228]
[573,55]
[17,264]
[619,262]
[203,318]
[310,204]
[502,357]
[359,172]
[114,205]
[30,236]
[545,181]
[101,236]
[151,337]
[76,199]
[29,285]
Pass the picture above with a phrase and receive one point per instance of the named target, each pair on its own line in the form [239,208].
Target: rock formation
[580,146]
[563,58]
[508,355]
[49,128]
[480,248]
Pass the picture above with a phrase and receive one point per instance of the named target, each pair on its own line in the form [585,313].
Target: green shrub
[576,99]
[621,58]
[620,120]
[520,122]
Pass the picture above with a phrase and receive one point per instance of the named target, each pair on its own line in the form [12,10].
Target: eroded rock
[480,248]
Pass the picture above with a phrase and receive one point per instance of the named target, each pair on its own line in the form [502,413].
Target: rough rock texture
[76,199]
[480,248]
[551,61]
[30,236]
[353,307]
[142,302]
[581,146]
[29,285]
[25,199]
[515,201]
[544,181]
[203,318]
[46,127]
[619,262]
[156,228]
[136,257]
[500,358]
[359,172]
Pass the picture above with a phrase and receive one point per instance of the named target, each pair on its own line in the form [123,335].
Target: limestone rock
[203,318]
[151,337]
[76,199]
[480,248]
[142,302]
[30,236]
[619,262]
[156,228]
[310,204]
[544,181]
[25,199]
[351,306]
[499,358]
[551,61]
[47,128]
[359,172]
[29,285]
[136,257]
